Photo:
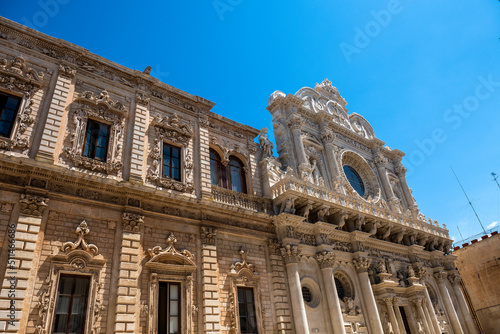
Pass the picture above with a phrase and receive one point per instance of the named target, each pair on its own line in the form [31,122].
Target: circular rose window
[359,177]
[355,180]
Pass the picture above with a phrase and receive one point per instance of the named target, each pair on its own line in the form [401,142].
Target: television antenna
[470,203]
[495,178]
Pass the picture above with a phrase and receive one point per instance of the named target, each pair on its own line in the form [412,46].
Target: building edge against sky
[131,199]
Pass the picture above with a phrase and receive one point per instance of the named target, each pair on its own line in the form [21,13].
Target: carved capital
[389,301]
[400,170]
[208,235]
[325,259]
[132,222]
[441,277]
[295,122]
[454,279]
[290,254]
[142,98]
[32,205]
[362,264]
[67,71]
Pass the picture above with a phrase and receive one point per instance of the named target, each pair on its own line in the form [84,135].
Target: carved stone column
[421,314]
[379,162]
[399,317]
[448,303]
[454,279]
[327,137]
[296,122]
[290,255]
[127,303]
[210,275]
[55,117]
[20,273]
[362,265]
[432,313]
[401,173]
[428,317]
[392,316]
[326,262]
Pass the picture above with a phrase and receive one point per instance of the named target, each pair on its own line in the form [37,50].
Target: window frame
[180,301]
[106,149]
[87,301]
[224,172]
[247,288]
[180,158]
[15,117]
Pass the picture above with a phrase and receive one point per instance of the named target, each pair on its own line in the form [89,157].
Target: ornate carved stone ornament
[132,222]
[170,129]
[100,108]
[171,259]
[362,264]
[325,259]
[243,267]
[290,253]
[82,230]
[32,205]
[208,235]
[16,76]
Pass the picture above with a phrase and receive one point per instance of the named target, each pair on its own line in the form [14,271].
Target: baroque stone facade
[127,206]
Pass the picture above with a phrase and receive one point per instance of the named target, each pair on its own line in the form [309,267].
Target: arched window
[231,176]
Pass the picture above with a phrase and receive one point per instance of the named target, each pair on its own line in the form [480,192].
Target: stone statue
[265,143]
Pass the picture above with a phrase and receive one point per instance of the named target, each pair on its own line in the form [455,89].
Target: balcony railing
[235,198]
[339,200]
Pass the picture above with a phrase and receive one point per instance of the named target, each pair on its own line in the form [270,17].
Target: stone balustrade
[235,198]
[341,201]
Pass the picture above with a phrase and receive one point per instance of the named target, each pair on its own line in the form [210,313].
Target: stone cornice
[87,62]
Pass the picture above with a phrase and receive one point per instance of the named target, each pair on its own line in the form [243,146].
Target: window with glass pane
[340,289]
[169,307]
[354,179]
[237,175]
[96,140]
[171,162]
[71,307]
[8,111]
[217,170]
[246,307]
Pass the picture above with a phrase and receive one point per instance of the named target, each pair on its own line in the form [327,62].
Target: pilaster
[127,308]
[19,279]
[52,129]
[210,275]
[139,137]
[440,278]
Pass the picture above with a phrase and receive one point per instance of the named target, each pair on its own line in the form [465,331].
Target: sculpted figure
[265,143]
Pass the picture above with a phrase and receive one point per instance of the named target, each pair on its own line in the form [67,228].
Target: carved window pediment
[171,129]
[101,101]
[101,109]
[171,259]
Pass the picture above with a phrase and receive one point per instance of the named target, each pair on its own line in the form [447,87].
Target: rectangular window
[171,162]
[8,110]
[71,307]
[169,307]
[96,140]
[246,307]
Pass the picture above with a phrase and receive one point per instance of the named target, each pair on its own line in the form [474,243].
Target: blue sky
[425,74]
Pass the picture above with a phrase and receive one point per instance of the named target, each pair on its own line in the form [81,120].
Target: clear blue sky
[425,74]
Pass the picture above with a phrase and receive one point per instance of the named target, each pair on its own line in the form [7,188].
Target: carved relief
[101,108]
[32,205]
[82,230]
[171,259]
[325,259]
[17,77]
[290,253]
[208,235]
[362,264]
[132,222]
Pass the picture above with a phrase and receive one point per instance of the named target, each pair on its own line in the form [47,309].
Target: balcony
[237,199]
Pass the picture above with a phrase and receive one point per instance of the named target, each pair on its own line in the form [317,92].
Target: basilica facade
[128,206]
